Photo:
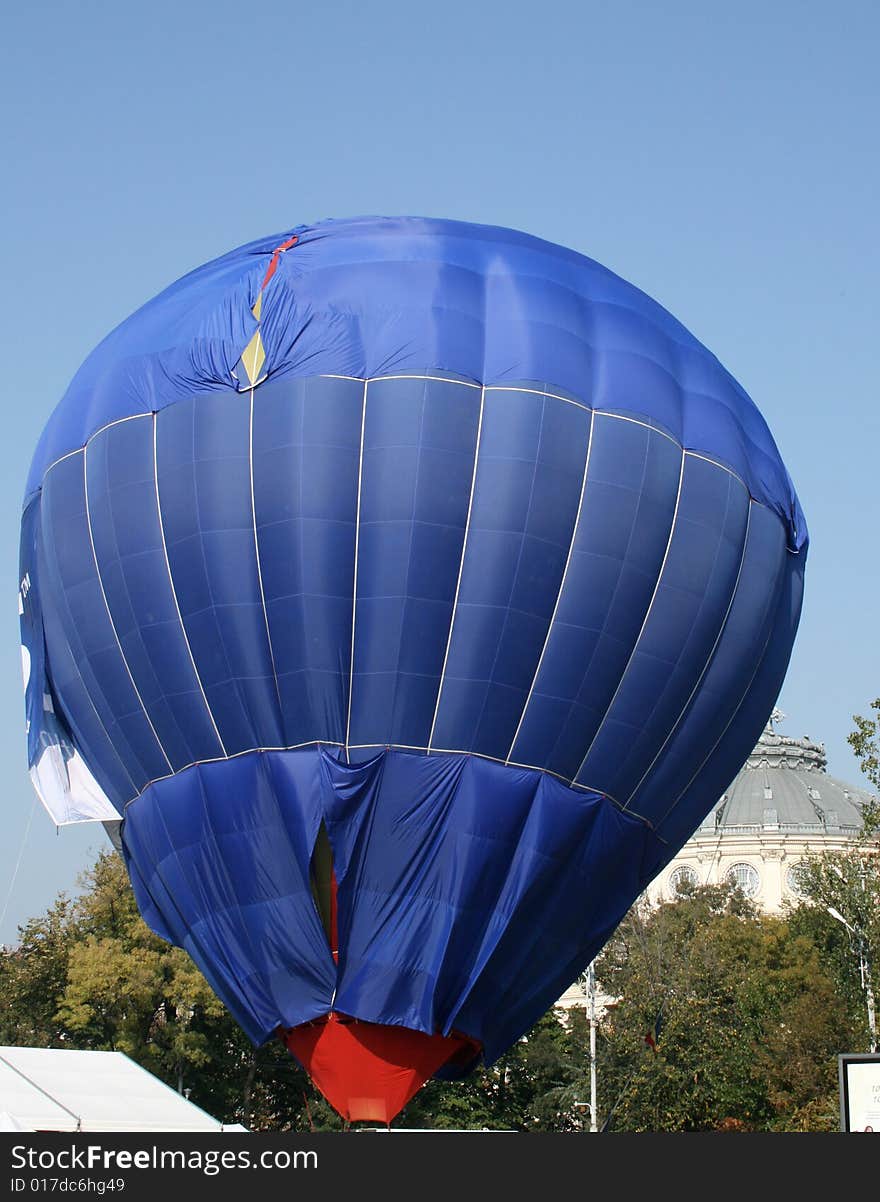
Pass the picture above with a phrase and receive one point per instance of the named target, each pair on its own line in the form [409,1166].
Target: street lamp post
[588,984]
[591,980]
[590,990]
[860,941]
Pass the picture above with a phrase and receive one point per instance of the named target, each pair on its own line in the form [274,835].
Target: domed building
[781,806]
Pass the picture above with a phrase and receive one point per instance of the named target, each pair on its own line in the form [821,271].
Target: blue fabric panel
[729,676]
[230,883]
[411,819]
[737,740]
[71,579]
[126,581]
[528,483]
[305,449]
[626,517]
[603,854]
[419,444]
[502,836]
[687,612]
[52,725]
[349,798]
[73,699]
[451,871]
[377,296]
[203,460]
[140,592]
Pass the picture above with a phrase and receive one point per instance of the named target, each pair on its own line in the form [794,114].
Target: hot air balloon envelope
[436,547]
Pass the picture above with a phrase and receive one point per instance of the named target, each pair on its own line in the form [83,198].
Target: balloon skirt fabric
[462,887]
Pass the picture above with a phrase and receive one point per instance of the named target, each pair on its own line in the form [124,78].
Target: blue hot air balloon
[404,592]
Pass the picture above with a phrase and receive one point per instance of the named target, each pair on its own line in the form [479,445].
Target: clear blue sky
[723,157]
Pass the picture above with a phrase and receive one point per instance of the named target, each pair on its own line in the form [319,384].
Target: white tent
[8,1123]
[49,1089]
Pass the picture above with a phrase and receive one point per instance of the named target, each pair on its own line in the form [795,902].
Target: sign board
[859,1078]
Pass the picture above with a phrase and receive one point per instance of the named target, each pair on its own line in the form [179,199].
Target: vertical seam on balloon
[730,721]
[568,559]
[609,607]
[464,543]
[137,692]
[420,449]
[91,702]
[523,535]
[707,664]
[259,566]
[174,590]
[645,620]
[357,533]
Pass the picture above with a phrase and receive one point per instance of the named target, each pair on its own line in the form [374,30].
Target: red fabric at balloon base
[366,1071]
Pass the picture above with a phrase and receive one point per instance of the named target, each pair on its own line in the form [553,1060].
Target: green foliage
[751,1020]
[843,892]
[865,744]
[533,1087]
[32,979]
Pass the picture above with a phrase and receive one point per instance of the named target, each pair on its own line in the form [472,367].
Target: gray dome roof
[783,786]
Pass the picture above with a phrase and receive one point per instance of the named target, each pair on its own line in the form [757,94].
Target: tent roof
[49,1089]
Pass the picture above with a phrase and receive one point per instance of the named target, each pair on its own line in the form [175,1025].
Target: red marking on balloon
[276,255]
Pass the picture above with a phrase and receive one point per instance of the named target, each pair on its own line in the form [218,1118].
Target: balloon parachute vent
[368,1071]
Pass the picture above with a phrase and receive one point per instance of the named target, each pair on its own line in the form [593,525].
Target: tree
[844,886]
[127,990]
[533,1087]
[739,1047]
[32,979]
[865,742]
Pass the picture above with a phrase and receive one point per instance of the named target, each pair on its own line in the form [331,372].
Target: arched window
[682,880]
[744,877]
[794,878]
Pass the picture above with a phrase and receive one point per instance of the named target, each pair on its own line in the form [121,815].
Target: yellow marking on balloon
[253,357]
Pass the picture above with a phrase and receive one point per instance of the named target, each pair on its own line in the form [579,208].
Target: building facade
[781,807]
